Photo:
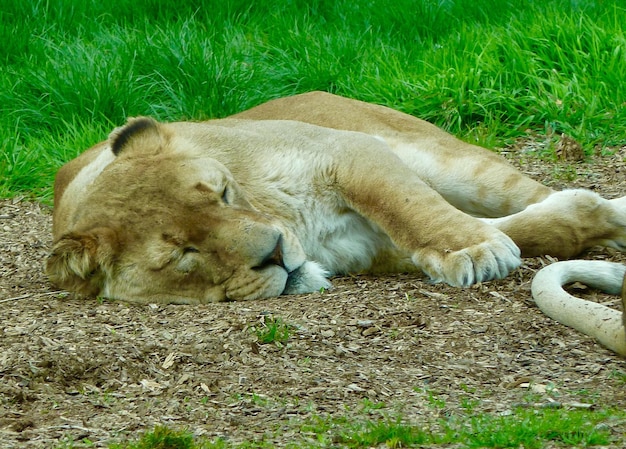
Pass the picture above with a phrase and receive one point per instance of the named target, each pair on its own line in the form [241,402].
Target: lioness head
[164,223]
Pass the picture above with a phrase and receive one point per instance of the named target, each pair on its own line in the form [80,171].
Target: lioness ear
[140,132]
[79,262]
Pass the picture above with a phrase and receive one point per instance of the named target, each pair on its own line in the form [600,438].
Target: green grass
[161,438]
[488,71]
[528,428]
[273,330]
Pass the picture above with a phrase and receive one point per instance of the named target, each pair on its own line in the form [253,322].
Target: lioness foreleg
[566,223]
[447,244]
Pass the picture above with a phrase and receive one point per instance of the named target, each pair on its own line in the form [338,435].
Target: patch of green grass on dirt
[523,427]
[273,330]
[162,438]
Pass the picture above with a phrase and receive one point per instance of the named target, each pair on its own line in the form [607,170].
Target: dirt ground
[76,370]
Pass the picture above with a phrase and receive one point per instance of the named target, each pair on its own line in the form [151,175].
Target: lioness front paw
[493,259]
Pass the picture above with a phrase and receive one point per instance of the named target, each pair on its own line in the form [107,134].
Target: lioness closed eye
[278,198]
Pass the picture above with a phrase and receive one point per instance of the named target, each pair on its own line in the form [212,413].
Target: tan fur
[277,198]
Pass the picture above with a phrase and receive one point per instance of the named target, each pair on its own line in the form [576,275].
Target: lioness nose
[276,256]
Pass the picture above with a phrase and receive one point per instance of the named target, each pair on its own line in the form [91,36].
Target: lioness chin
[277,199]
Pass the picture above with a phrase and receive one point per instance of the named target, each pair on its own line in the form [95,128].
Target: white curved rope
[590,318]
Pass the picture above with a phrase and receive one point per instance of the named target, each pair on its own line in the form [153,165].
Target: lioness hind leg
[471,178]
[566,223]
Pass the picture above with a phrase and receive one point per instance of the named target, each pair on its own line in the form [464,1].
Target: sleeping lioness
[277,199]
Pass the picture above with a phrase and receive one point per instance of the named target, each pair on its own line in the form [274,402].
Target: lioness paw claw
[486,261]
